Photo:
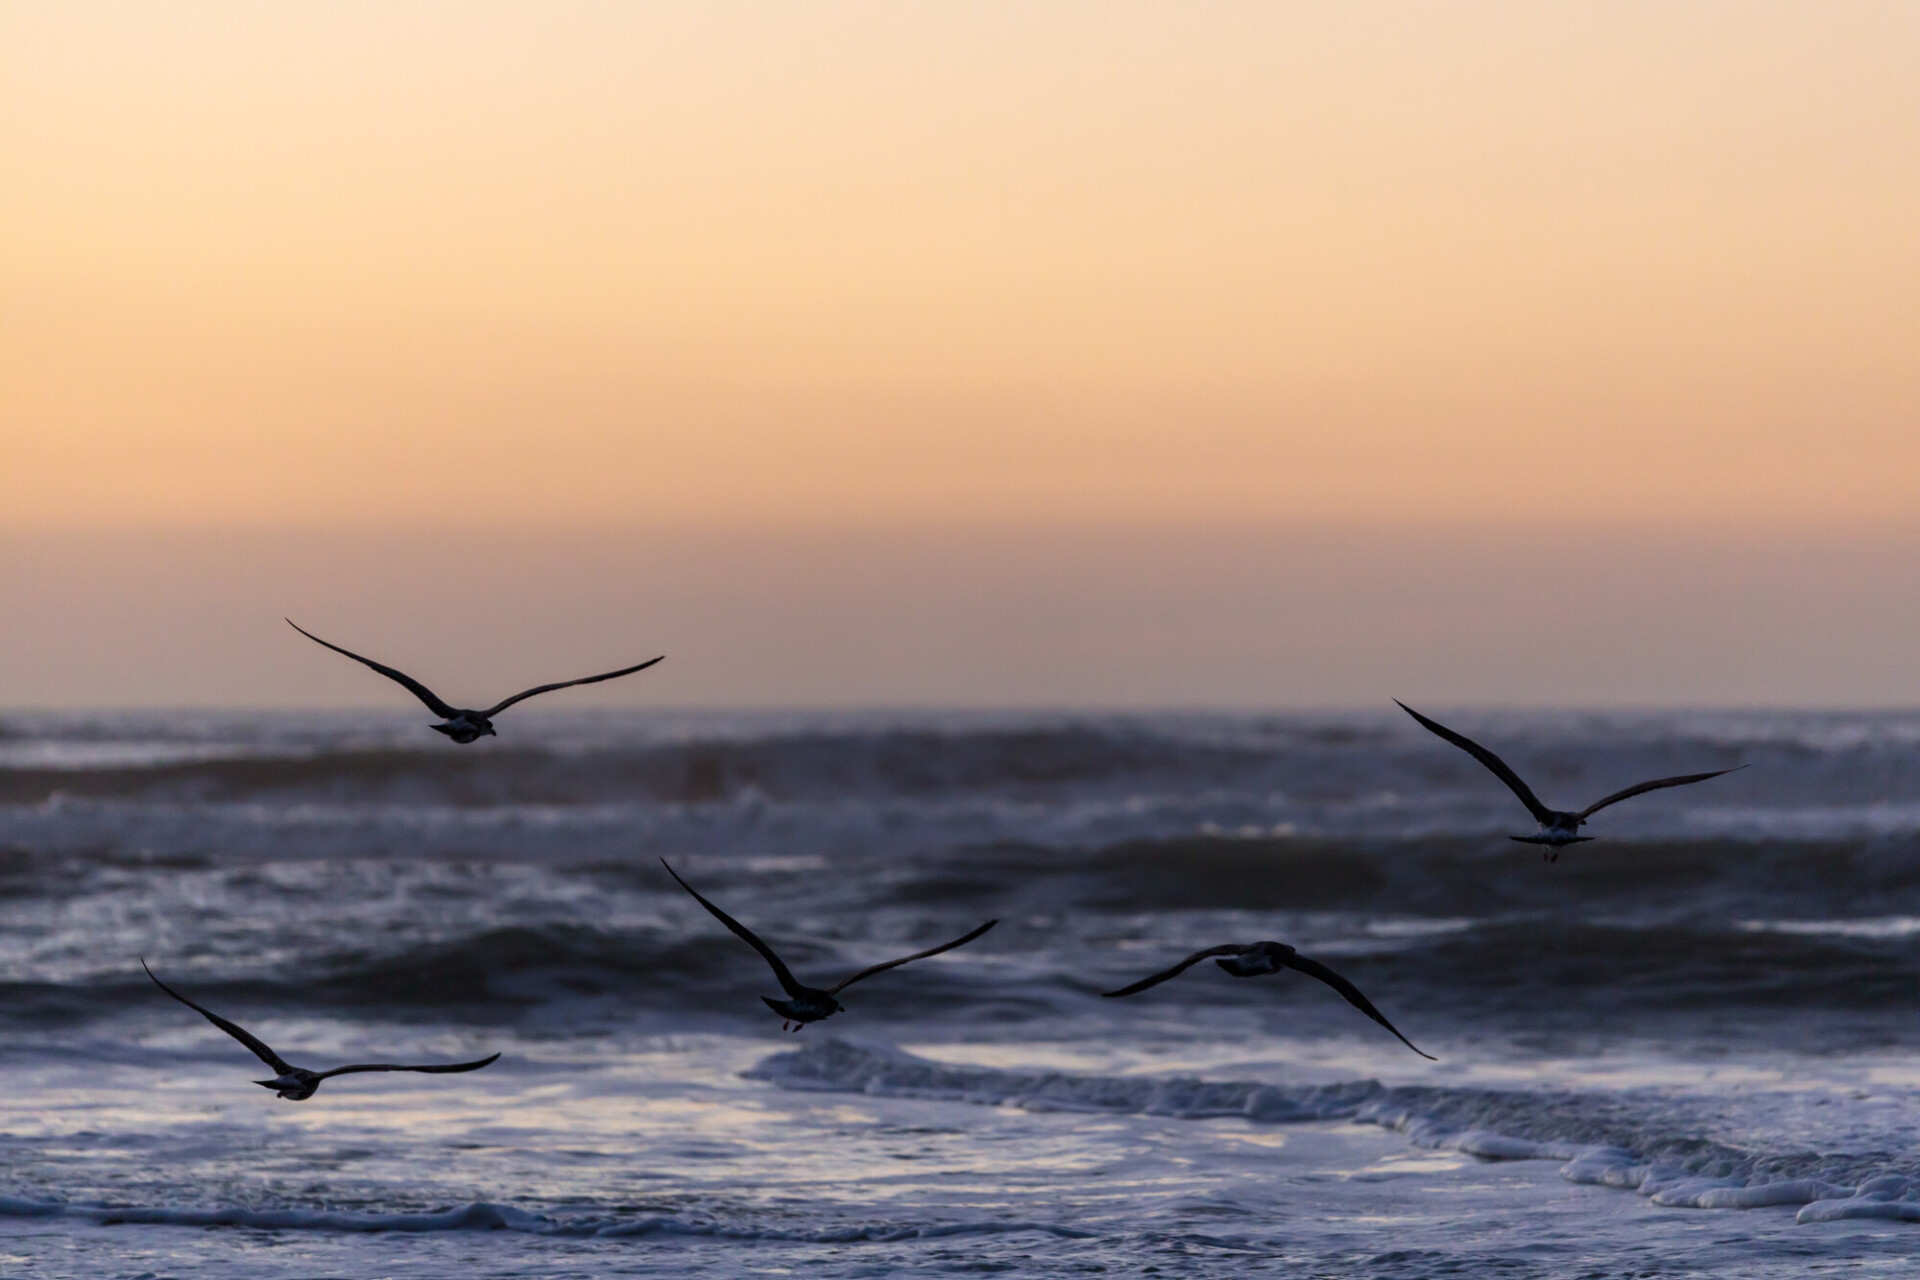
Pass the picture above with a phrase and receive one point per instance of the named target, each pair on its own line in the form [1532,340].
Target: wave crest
[1602,1140]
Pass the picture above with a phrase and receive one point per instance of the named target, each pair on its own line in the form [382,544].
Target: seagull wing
[1641,788]
[413,686]
[1225,949]
[245,1037]
[1495,765]
[498,707]
[787,981]
[870,970]
[1314,969]
[441,1068]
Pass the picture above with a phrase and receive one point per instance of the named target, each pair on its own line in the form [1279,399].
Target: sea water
[1686,1048]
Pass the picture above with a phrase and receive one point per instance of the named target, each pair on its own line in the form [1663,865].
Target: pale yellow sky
[371,265]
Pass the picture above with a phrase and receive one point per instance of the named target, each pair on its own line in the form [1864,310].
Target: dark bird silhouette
[1557,828]
[1256,959]
[464,724]
[297,1084]
[806,1004]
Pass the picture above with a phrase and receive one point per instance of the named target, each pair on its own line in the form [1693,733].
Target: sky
[1035,353]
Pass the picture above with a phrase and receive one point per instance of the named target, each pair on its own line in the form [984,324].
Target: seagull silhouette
[463,724]
[1557,828]
[297,1084]
[1255,959]
[806,1004]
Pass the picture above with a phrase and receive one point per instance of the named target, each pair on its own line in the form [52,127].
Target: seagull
[810,1004]
[1557,829]
[1256,959]
[297,1084]
[464,725]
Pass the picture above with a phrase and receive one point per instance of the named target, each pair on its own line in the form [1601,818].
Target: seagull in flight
[1256,959]
[806,1004]
[465,725]
[1557,829]
[297,1084]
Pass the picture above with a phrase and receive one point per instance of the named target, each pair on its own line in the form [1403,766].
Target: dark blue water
[1713,1004]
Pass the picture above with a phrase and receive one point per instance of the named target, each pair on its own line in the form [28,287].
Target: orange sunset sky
[1124,351]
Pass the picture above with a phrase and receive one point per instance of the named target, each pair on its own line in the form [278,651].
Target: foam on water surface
[1711,1006]
[1694,1173]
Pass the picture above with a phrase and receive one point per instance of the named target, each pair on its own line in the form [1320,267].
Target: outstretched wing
[443,1068]
[787,981]
[498,707]
[1314,969]
[245,1037]
[870,970]
[413,686]
[1641,788]
[1495,765]
[1225,949]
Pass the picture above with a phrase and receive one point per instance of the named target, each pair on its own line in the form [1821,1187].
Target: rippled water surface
[1686,1048]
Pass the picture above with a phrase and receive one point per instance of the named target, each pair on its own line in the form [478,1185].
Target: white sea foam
[358,887]
[865,1067]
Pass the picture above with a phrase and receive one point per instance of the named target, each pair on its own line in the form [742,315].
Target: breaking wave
[1605,1140]
[1810,776]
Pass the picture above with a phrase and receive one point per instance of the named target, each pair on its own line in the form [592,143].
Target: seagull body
[1257,959]
[297,1084]
[1558,828]
[464,724]
[806,1004]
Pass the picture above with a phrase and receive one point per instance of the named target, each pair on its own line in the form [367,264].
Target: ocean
[1687,1048]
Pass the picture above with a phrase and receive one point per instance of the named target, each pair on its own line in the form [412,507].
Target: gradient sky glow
[714,266]
[871,262]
